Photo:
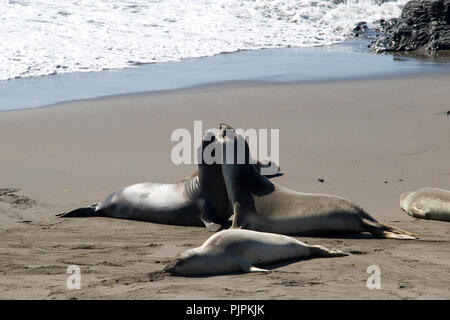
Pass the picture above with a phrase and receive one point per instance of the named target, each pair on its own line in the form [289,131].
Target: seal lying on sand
[427,203]
[200,199]
[242,250]
[265,206]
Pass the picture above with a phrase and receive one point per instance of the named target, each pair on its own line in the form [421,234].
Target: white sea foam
[44,37]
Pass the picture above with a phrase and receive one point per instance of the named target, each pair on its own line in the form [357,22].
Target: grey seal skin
[200,199]
[268,207]
[236,250]
[427,203]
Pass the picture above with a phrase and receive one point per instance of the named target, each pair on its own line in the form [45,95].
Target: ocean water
[348,60]
[42,37]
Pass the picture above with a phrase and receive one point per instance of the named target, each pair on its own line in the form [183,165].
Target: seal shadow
[349,236]
[285,263]
[328,235]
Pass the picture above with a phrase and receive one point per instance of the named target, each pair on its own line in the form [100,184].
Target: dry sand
[369,140]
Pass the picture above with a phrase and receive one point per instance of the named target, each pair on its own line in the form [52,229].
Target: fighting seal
[427,203]
[234,250]
[200,199]
[265,206]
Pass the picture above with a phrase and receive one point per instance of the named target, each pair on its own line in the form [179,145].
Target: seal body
[290,212]
[182,203]
[427,203]
[200,199]
[264,206]
[235,250]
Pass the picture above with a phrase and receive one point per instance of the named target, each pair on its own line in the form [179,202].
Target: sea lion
[265,206]
[427,203]
[235,250]
[200,199]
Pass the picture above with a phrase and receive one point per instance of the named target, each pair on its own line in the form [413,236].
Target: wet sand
[369,140]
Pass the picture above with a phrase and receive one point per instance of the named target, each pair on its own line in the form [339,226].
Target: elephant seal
[265,206]
[427,203]
[200,199]
[235,250]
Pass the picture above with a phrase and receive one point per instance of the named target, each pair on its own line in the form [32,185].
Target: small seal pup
[427,203]
[234,250]
[265,206]
[200,199]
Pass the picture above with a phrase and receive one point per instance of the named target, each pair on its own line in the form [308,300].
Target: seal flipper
[80,212]
[385,231]
[320,251]
[210,226]
[255,269]
[276,169]
[237,217]
[247,267]
[418,213]
[208,216]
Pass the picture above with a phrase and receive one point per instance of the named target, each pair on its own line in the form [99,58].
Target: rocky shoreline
[422,26]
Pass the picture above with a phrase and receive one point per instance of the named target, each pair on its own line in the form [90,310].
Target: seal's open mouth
[224,129]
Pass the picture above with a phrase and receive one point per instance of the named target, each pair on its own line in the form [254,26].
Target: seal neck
[210,185]
[262,186]
[207,181]
[210,179]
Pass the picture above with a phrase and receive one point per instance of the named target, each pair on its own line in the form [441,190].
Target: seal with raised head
[427,203]
[265,206]
[200,199]
[236,250]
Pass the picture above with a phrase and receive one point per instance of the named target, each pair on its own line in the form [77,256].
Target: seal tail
[81,212]
[386,231]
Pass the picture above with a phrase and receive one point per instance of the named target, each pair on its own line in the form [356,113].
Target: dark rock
[423,25]
[360,29]
[380,25]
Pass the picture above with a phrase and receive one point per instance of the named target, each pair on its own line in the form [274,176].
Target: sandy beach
[369,140]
